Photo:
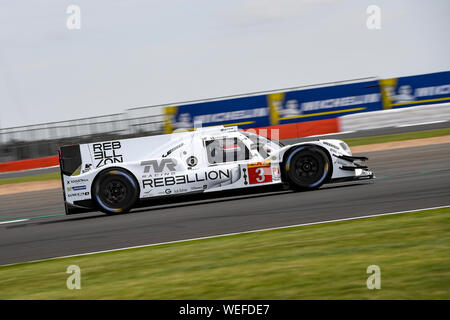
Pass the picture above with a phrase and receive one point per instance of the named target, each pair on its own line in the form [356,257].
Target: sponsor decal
[185,179]
[245,176]
[340,102]
[159,166]
[184,122]
[76,181]
[76,188]
[107,153]
[199,188]
[404,94]
[291,109]
[259,164]
[276,173]
[433,91]
[172,150]
[330,145]
[87,167]
[228,129]
[192,161]
[259,172]
[78,194]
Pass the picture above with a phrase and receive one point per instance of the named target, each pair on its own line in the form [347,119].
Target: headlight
[346,148]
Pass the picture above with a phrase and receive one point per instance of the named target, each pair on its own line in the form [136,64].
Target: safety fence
[43,140]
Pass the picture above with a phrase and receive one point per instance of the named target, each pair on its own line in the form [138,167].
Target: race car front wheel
[307,168]
[115,191]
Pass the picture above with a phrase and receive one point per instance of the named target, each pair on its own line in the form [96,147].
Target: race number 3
[259,173]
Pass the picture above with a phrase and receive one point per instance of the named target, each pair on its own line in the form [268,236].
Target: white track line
[12,221]
[419,124]
[230,234]
[330,134]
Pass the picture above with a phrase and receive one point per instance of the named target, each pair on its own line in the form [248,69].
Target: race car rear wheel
[307,168]
[115,191]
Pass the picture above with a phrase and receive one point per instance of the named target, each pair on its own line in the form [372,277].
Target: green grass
[38,177]
[398,137]
[314,262]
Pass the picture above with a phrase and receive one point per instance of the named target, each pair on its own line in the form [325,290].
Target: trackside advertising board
[311,104]
[410,91]
[323,103]
[245,112]
[276,108]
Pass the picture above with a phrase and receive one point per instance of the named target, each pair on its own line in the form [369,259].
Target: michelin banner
[245,112]
[323,103]
[410,91]
[311,104]
[276,108]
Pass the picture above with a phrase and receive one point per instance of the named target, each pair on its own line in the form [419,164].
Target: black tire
[307,168]
[115,191]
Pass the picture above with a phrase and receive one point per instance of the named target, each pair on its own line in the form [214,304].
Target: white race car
[116,176]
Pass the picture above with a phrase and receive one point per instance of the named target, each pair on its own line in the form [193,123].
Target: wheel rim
[114,192]
[306,166]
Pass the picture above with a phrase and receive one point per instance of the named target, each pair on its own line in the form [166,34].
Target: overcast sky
[137,53]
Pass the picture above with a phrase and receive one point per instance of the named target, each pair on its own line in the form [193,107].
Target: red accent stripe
[312,128]
[29,164]
[301,129]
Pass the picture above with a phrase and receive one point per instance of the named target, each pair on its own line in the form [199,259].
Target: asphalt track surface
[407,179]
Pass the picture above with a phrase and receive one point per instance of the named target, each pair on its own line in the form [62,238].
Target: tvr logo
[159,167]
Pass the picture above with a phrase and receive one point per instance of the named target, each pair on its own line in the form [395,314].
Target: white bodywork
[183,162]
